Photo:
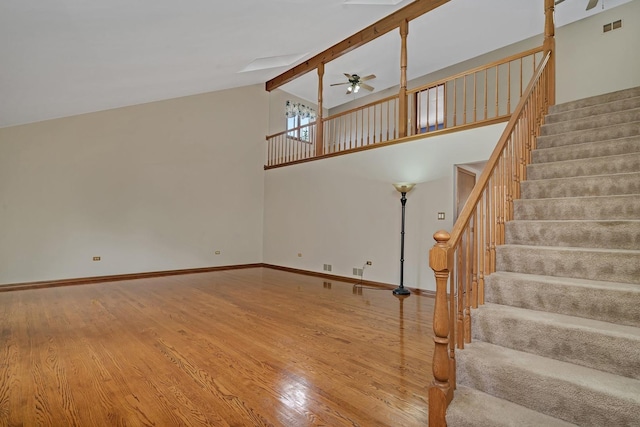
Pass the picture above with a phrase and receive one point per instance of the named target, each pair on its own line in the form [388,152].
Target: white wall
[153,187]
[344,211]
[590,62]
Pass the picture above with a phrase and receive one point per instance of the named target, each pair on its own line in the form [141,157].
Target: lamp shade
[403,187]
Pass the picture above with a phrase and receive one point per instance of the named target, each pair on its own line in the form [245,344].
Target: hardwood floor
[233,348]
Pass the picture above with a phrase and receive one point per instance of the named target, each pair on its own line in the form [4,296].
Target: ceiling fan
[355,83]
[590,5]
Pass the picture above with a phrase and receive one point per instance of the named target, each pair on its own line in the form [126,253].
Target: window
[297,131]
[299,120]
[430,111]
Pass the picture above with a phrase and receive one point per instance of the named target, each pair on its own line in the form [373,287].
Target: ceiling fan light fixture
[356,88]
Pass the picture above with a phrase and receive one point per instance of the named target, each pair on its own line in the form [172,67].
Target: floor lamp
[402,189]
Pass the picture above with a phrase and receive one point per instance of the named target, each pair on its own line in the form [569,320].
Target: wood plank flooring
[254,347]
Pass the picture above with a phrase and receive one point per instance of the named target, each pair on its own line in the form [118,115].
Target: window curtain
[293,109]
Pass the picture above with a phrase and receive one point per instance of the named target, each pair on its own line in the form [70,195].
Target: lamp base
[401,290]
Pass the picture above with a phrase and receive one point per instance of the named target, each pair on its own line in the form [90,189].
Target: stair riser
[579,208]
[585,406]
[625,130]
[582,346]
[474,408]
[608,304]
[610,185]
[585,167]
[592,122]
[603,265]
[583,234]
[588,150]
[594,100]
[610,107]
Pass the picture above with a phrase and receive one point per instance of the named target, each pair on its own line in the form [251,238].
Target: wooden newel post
[549,45]
[441,390]
[402,96]
[319,123]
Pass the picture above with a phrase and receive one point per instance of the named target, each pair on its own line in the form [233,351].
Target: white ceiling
[64,57]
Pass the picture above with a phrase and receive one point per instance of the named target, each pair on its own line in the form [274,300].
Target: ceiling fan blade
[340,84]
[347,75]
[558,2]
[369,77]
[367,87]
[592,4]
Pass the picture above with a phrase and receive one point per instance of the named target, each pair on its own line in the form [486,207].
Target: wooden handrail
[474,197]
[353,110]
[464,257]
[291,130]
[479,68]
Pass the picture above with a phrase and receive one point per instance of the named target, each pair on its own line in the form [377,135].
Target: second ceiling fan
[590,5]
[355,83]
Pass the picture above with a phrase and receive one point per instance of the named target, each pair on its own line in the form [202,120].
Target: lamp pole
[403,189]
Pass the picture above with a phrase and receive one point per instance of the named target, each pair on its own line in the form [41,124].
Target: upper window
[297,127]
[430,109]
[299,120]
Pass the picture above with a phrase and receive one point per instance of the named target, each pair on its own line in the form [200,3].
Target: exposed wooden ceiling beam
[383,26]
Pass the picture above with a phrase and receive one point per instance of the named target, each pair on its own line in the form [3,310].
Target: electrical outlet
[328,267]
[217,252]
[369,263]
[360,271]
[440,215]
[96,258]
[355,271]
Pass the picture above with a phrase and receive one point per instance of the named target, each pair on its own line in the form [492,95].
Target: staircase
[558,341]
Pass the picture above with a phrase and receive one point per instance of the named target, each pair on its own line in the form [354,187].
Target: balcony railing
[481,96]
[291,146]
[371,124]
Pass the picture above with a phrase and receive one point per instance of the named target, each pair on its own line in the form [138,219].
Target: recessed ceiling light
[374,2]
[272,62]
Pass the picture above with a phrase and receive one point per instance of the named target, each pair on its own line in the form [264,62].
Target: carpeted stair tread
[592,343]
[587,150]
[604,133]
[595,100]
[592,110]
[620,163]
[614,265]
[575,233]
[620,207]
[597,185]
[613,302]
[591,122]
[559,330]
[475,408]
[577,394]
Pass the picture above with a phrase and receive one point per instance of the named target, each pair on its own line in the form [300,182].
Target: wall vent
[612,26]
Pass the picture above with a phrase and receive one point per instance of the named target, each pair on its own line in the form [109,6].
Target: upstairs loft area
[483,94]
[479,96]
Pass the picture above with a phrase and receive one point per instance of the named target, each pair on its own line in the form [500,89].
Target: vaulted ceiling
[67,57]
